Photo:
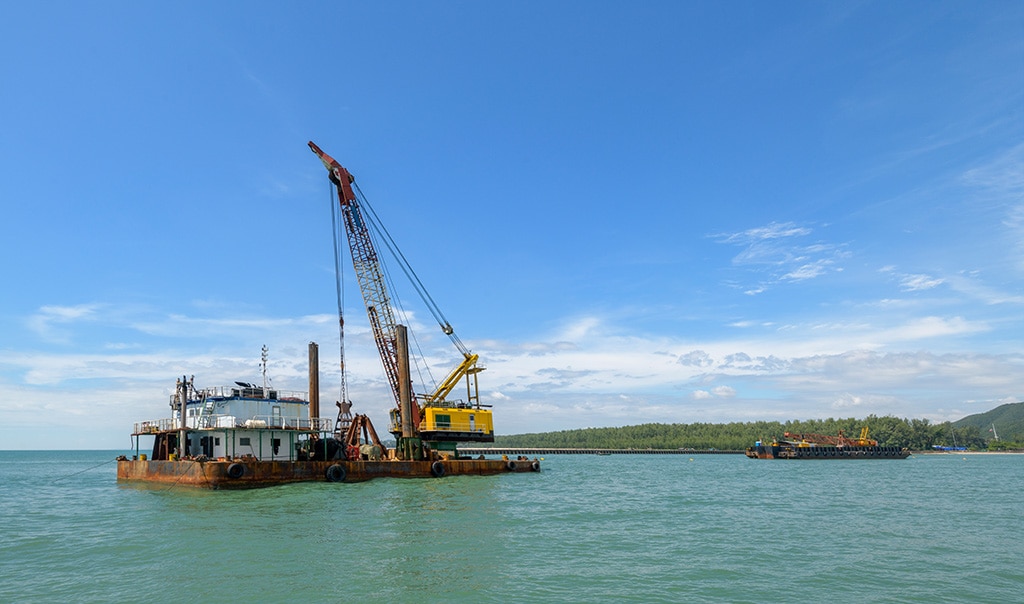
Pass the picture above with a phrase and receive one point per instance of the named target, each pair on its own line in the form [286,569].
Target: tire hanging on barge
[336,473]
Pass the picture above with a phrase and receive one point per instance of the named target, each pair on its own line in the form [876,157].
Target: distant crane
[836,441]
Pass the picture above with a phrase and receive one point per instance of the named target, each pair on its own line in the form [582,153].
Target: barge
[818,446]
[245,436]
[249,436]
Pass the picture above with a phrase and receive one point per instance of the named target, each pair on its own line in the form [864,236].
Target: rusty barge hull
[247,474]
[791,452]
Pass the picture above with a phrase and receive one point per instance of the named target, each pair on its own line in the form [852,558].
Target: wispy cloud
[773,253]
[1004,173]
[966,283]
[774,230]
[919,282]
[47,321]
[971,286]
[1000,183]
[912,282]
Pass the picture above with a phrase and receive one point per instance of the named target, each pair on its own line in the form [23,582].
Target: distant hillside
[1008,420]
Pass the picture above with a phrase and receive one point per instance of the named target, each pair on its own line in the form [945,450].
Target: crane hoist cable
[336,227]
[378,233]
[414,279]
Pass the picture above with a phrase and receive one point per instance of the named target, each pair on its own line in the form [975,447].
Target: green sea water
[619,528]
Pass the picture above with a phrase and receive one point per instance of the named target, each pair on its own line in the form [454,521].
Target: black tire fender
[236,471]
[336,473]
[535,466]
[437,469]
[511,466]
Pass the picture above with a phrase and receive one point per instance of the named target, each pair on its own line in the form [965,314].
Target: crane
[836,441]
[439,421]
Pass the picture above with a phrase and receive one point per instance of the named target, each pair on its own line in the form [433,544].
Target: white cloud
[919,282]
[975,289]
[999,184]
[808,271]
[45,321]
[774,230]
[582,374]
[696,358]
[771,253]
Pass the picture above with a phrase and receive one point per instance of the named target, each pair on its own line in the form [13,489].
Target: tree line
[889,431]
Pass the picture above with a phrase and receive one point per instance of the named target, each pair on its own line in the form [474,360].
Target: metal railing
[214,422]
[450,426]
[225,392]
[256,392]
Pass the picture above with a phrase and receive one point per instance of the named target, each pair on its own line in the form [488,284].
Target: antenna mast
[263,367]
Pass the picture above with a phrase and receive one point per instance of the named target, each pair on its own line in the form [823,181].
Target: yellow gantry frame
[465,369]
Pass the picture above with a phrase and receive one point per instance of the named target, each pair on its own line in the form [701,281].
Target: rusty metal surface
[252,474]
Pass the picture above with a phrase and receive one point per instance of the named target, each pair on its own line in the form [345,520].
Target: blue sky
[662,212]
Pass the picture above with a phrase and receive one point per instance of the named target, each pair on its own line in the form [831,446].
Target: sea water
[587,528]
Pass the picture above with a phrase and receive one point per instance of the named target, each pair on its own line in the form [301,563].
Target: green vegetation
[916,434]
[1008,421]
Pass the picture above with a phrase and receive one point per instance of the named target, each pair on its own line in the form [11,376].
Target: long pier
[534,451]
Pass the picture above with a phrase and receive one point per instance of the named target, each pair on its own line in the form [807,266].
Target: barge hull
[782,452]
[247,474]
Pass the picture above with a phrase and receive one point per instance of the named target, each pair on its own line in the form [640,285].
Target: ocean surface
[618,528]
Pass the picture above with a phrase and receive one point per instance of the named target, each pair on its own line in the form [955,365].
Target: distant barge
[818,446]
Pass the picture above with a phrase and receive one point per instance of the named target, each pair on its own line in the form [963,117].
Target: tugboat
[249,436]
[821,446]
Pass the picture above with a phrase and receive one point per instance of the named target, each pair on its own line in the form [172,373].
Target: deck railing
[450,426]
[214,422]
[256,392]
[225,392]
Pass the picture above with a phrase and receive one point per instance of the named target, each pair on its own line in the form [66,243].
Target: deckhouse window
[243,441]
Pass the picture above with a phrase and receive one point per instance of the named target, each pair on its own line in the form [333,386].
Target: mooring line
[59,478]
[182,475]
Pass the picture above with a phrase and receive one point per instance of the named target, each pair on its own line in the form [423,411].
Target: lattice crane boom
[438,419]
[367,268]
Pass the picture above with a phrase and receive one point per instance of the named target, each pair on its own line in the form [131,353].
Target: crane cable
[338,233]
[389,242]
[336,226]
[378,233]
